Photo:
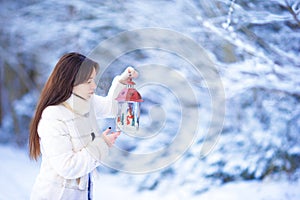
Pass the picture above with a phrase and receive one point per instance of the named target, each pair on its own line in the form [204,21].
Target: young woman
[64,128]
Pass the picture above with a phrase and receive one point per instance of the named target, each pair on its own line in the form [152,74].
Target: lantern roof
[129,94]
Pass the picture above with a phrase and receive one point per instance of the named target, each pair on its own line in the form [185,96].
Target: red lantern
[128,115]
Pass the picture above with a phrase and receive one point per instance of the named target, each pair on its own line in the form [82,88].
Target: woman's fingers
[110,137]
[115,135]
[106,132]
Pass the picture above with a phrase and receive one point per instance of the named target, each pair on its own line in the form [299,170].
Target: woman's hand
[129,73]
[110,138]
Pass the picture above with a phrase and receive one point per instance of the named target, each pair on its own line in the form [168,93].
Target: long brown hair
[72,69]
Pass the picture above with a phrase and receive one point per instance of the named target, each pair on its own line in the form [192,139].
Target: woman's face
[86,89]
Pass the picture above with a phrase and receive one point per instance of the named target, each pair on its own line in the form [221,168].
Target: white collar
[79,105]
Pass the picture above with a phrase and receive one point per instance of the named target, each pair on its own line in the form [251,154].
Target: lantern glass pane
[127,119]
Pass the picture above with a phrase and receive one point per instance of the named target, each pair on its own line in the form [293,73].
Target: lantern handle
[130,82]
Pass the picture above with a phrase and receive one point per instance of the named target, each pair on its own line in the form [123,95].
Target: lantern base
[127,129]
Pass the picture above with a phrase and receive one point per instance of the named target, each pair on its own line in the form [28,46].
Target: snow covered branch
[294,9]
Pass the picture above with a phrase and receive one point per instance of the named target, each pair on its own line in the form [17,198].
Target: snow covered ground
[18,173]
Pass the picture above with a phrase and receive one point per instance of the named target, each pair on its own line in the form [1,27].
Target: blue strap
[89,188]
